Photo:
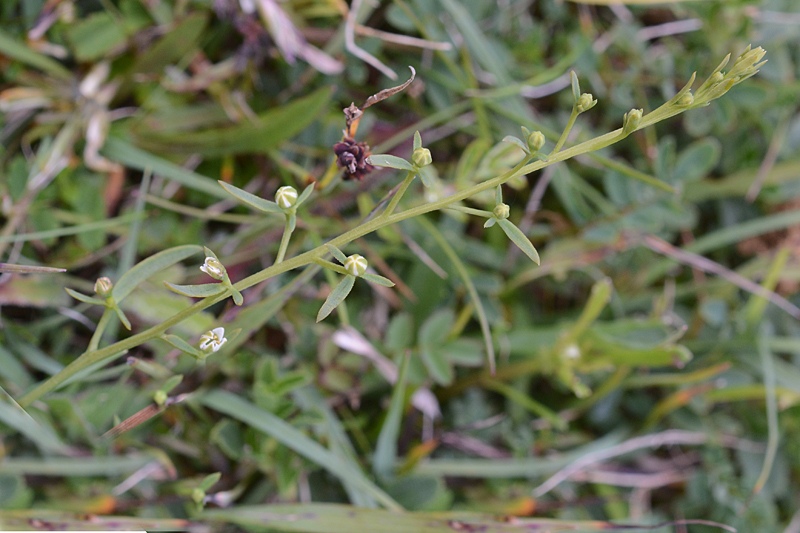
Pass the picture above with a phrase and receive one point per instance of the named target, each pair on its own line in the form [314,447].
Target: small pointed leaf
[183,346]
[336,297]
[417,140]
[196,291]
[498,195]
[391,161]
[576,86]
[378,280]
[427,179]
[122,317]
[517,142]
[237,296]
[172,382]
[337,253]
[292,222]
[520,239]
[304,195]
[490,222]
[251,199]
[153,264]
[209,481]
[84,298]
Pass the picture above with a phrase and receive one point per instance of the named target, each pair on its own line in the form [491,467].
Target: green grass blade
[14,49]
[71,230]
[242,410]
[386,447]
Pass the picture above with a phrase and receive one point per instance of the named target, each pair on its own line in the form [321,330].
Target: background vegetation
[638,344]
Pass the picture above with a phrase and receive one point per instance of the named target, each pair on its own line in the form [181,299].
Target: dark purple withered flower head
[351,156]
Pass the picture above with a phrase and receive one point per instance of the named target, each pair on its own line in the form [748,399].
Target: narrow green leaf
[183,346]
[84,298]
[390,161]
[425,177]
[386,448]
[576,86]
[490,222]
[197,291]
[516,141]
[336,297]
[336,252]
[148,267]
[70,230]
[417,140]
[15,417]
[292,222]
[378,280]
[29,269]
[520,239]
[251,199]
[209,481]
[498,194]
[237,296]
[14,49]
[304,195]
[266,422]
[129,155]
[172,382]
[122,317]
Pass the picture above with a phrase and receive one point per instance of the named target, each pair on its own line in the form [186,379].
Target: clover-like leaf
[84,298]
[520,239]
[378,280]
[336,297]
[251,199]
[197,291]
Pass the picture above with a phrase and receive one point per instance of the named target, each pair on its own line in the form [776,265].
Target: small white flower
[213,268]
[286,197]
[213,340]
[355,265]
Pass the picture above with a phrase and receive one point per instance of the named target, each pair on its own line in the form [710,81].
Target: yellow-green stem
[567,129]
[399,194]
[287,234]
[94,342]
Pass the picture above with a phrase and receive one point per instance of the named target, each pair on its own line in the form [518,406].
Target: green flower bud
[198,495]
[501,211]
[716,78]
[535,141]
[631,121]
[585,102]
[355,265]
[286,197]
[103,286]
[213,268]
[686,100]
[160,397]
[422,157]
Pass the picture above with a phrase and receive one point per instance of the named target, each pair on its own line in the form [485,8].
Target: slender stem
[399,194]
[331,266]
[567,129]
[471,211]
[101,327]
[287,234]
[521,169]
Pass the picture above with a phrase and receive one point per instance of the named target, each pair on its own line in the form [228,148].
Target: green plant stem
[471,211]
[94,342]
[399,194]
[567,129]
[287,234]
[386,219]
[331,266]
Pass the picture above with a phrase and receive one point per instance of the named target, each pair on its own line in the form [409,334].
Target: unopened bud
[422,157]
[213,268]
[286,197]
[716,78]
[585,102]
[535,141]
[355,265]
[631,120]
[501,211]
[686,100]
[160,397]
[103,286]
